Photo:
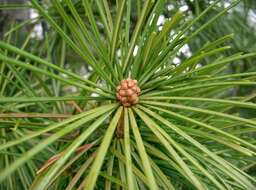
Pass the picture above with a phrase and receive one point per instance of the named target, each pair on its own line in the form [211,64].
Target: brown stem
[22,123]
[76,106]
[56,157]
[120,127]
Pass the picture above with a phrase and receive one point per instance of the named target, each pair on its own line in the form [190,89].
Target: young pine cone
[128,92]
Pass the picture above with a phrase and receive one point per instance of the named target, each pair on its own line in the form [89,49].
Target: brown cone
[128,92]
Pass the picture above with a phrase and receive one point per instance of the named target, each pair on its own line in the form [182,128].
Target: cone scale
[128,92]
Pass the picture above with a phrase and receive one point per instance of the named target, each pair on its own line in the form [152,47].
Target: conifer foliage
[137,120]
